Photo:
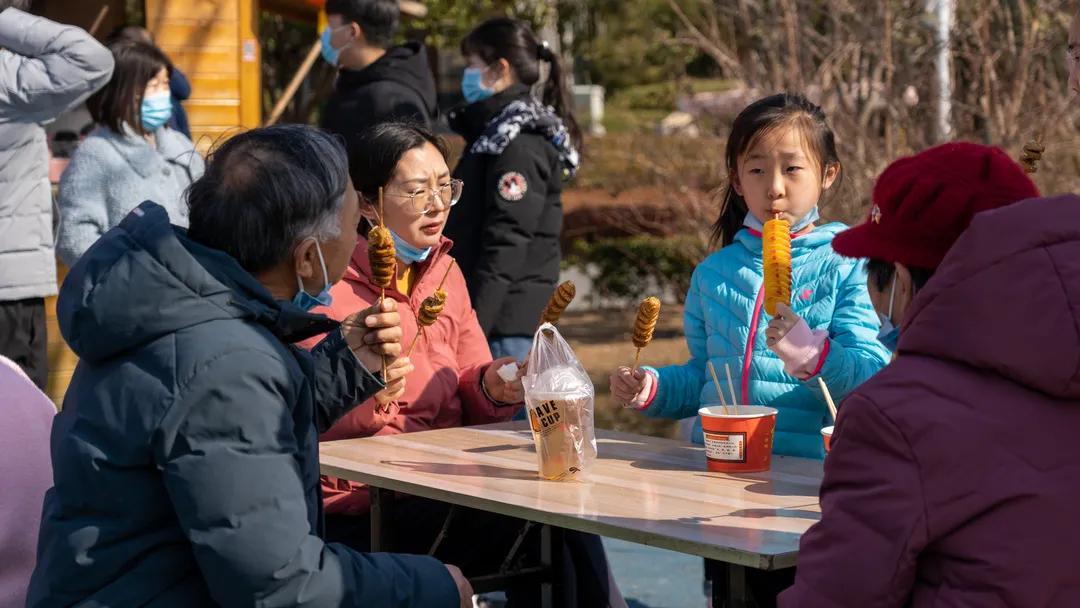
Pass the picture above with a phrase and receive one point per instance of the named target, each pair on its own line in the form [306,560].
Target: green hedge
[625,267]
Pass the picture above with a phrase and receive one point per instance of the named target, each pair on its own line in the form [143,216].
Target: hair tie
[543,51]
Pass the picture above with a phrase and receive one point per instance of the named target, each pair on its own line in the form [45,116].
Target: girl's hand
[499,389]
[781,324]
[631,388]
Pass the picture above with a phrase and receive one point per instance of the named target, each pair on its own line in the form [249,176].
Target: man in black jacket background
[377,82]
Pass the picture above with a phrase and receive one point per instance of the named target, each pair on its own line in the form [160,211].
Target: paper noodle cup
[826,434]
[739,441]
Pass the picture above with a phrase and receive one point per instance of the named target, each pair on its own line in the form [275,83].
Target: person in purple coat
[952,480]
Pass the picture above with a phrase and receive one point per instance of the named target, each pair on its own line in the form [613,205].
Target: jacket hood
[406,64]
[1006,299]
[145,279]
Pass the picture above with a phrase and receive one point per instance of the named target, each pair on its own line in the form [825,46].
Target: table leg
[729,587]
[382,519]
[551,558]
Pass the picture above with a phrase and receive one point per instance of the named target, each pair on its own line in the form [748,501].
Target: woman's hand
[630,387]
[781,324]
[499,388]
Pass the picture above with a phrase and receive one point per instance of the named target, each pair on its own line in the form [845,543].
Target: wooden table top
[642,489]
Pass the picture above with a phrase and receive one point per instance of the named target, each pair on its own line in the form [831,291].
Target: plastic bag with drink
[559,396]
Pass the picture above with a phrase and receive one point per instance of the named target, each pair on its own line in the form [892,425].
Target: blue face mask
[329,53]
[753,223]
[889,335]
[408,253]
[472,85]
[306,301]
[156,110]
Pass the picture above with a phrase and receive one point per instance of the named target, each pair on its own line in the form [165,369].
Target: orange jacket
[450,359]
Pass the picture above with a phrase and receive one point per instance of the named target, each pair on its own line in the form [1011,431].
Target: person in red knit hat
[952,479]
[922,204]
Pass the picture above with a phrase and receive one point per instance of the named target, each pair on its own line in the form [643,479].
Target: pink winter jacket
[954,476]
[26,417]
[450,360]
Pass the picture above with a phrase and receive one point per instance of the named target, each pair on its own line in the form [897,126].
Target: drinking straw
[828,398]
[719,391]
[731,387]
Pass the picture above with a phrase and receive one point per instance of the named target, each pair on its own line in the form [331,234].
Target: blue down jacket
[725,323]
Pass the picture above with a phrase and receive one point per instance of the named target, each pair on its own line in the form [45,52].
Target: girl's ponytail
[733,212]
[512,40]
[557,93]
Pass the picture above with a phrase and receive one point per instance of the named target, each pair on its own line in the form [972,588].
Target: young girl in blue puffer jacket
[781,157]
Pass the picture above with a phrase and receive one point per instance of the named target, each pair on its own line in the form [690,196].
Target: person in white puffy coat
[46,69]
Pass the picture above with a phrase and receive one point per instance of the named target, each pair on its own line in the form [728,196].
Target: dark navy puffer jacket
[186,467]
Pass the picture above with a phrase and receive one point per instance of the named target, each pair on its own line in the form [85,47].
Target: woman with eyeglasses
[454,383]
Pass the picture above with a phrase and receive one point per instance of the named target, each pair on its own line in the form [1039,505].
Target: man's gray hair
[266,190]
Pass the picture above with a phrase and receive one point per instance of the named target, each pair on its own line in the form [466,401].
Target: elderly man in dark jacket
[185,459]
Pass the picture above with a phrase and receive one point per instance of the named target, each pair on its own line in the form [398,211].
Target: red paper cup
[826,434]
[738,439]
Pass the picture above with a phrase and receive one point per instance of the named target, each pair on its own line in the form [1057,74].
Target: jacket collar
[140,155]
[470,121]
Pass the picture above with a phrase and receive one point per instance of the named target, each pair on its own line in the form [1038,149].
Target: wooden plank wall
[215,43]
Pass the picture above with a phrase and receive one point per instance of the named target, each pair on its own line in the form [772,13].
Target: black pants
[478,542]
[22,337]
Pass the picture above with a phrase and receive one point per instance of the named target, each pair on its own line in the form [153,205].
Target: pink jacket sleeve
[865,549]
[474,357]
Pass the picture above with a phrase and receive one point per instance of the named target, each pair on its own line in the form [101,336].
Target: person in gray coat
[186,457]
[46,69]
[131,157]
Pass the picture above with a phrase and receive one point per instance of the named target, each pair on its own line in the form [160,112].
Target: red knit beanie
[923,202]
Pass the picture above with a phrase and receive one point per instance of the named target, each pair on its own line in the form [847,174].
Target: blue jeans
[511,346]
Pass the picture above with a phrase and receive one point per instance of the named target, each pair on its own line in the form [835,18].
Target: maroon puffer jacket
[954,478]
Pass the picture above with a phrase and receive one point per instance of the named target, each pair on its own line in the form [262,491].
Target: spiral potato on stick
[645,324]
[431,308]
[382,256]
[1032,154]
[562,297]
[776,261]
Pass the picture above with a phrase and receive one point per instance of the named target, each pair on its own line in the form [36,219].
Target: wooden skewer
[637,358]
[382,289]
[415,339]
[828,398]
[719,391]
[420,331]
[731,387]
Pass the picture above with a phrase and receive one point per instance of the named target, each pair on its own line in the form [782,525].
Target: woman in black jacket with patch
[519,151]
